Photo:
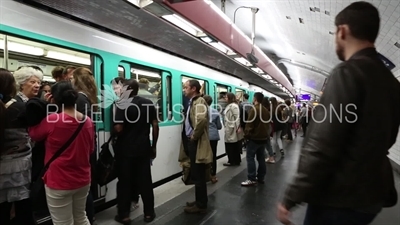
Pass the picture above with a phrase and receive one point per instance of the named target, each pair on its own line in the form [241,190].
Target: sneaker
[248,183]
[134,206]
[269,160]
[282,153]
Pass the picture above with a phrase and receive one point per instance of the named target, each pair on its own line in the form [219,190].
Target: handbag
[105,165]
[37,190]
[186,174]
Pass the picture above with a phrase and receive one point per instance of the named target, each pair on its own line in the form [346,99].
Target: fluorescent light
[221,47]
[268,77]
[273,81]
[257,70]
[21,48]
[183,24]
[141,3]
[145,73]
[207,39]
[229,51]
[67,57]
[243,61]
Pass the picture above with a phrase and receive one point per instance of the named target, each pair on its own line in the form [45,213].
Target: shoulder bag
[37,190]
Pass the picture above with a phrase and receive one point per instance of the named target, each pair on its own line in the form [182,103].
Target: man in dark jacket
[344,173]
[256,132]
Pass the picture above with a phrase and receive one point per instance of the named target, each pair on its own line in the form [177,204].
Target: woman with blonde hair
[85,84]
[86,103]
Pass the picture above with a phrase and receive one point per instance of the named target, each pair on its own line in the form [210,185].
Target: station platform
[230,203]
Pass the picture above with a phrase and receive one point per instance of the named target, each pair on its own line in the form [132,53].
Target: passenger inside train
[106,128]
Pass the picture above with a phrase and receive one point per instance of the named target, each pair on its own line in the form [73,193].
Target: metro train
[35,37]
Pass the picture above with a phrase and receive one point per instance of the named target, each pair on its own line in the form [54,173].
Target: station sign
[303,97]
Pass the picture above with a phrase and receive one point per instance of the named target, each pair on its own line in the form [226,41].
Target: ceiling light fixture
[301,20]
[268,77]
[184,24]
[327,13]
[288,17]
[21,48]
[223,48]
[68,58]
[141,3]
[257,70]
[243,61]
[207,39]
[397,44]
[331,33]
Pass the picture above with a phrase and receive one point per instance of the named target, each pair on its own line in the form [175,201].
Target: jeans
[317,215]
[198,175]
[278,140]
[255,149]
[268,146]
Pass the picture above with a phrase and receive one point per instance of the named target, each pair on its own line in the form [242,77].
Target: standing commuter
[278,123]
[117,85]
[67,180]
[214,126]
[199,149]
[233,131]
[84,83]
[257,132]
[134,152]
[15,156]
[344,173]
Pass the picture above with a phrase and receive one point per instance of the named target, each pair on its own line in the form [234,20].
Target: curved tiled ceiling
[279,32]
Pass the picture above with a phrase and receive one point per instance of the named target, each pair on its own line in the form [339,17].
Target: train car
[46,40]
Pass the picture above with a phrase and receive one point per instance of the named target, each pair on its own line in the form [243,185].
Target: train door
[52,60]
[100,120]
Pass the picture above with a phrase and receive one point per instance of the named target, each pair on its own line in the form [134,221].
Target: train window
[121,71]
[203,84]
[239,94]
[150,87]
[168,97]
[23,52]
[221,91]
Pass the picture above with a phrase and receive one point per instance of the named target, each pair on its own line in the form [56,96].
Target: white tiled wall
[395,151]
